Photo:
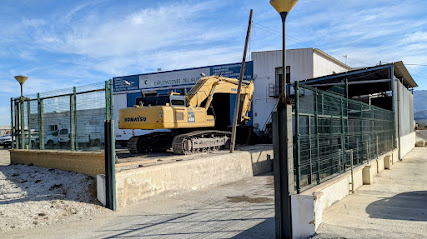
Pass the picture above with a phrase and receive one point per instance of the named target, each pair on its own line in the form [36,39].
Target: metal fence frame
[328,126]
[21,138]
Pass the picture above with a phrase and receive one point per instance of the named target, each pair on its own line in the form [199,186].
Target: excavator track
[155,142]
[200,141]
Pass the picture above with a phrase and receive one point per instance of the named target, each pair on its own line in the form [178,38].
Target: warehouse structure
[388,86]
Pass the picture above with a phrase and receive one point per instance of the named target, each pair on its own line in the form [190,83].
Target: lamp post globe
[21,79]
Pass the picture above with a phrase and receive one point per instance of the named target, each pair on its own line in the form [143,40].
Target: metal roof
[373,73]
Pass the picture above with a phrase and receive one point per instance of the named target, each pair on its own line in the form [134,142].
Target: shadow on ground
[218,222]
[398,208]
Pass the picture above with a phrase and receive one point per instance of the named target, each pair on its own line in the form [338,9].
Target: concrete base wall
[308,207]
[134,185]
[91,163]
[407,143]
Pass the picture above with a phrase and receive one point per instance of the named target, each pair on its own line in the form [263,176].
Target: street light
[21,79]
[283,166]
[283,7]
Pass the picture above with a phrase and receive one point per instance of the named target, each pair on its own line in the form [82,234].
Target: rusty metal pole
[242,72]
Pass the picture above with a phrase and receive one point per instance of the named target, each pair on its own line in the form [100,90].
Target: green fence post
[297,135]
[72,125]
[316,125]
[21,103]
[17,133]
[12,127]
[28,123]
[342,159]
[76,142]
[110,171]
[310,150]
[41,121]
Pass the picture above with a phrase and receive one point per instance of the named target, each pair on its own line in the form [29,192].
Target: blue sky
[59,44]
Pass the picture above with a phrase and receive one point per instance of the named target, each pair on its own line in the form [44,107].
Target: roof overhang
[369,76]
[401,72]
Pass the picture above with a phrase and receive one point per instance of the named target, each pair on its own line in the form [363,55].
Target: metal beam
[346,74]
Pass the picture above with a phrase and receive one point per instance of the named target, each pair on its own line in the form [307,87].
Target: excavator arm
[202,93]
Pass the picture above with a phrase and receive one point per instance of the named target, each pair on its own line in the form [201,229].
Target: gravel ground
[32,196]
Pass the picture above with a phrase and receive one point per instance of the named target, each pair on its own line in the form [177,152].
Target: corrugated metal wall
[406,109]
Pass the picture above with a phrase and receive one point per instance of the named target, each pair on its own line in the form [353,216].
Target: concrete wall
[323,65]
[134,185]
[308,207]
[404,117]
[407,143]
[91,163]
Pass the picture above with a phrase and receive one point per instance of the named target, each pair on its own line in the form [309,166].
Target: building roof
[336,61]
[379,72]
[314,50]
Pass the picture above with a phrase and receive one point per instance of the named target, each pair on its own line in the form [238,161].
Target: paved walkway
[244,209]
[395,206]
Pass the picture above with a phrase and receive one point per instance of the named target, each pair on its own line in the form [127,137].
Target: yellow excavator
[190,118]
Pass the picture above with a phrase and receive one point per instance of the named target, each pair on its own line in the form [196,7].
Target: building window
[278,79]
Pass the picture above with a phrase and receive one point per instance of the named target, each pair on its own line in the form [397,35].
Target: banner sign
[178,78]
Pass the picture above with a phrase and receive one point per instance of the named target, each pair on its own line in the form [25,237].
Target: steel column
[21,109]
[283,170]
[12,126]
[109,142]
[72,124]
[41,121]
[297,138]
[76,142]
[28,123]
[316,115]
[17,125]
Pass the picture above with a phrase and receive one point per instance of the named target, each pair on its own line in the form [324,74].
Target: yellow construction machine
[189,117]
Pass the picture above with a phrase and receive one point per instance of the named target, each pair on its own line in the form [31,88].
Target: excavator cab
[176,99]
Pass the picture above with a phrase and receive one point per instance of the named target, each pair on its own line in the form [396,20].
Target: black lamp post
[283,168]
[21,79]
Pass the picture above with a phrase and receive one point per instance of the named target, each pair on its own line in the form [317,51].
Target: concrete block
[367,176]
[380,164]
[173,178]
[303,215]
[387,162]
[420,143]
[100,189]
[90,163]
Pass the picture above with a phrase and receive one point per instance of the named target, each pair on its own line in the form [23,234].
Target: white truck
[90,127]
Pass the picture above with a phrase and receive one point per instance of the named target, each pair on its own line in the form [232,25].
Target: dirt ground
[32,196]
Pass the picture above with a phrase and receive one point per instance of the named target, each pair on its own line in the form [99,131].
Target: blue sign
[125,83]
[178,78]
[233,70]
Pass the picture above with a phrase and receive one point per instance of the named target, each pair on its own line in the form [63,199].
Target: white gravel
[32,196]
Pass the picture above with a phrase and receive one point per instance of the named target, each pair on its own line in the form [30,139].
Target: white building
[301,64]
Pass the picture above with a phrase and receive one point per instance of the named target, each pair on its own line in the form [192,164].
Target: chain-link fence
[67,119]
[328,127]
